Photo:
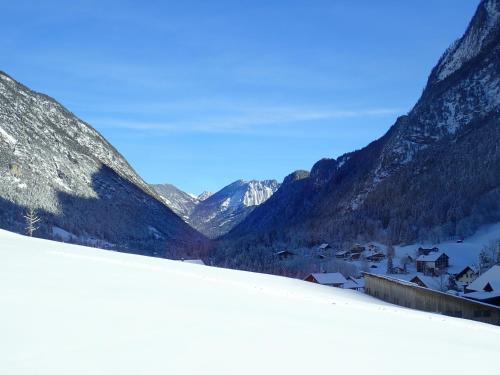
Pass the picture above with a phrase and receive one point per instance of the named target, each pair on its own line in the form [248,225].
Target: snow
[70,309]
[471,43]
[10,139]
[461,254]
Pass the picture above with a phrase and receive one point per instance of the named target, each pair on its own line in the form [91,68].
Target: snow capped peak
[220,212]
[481,31]
[204,195]
[246,193]
[258,192]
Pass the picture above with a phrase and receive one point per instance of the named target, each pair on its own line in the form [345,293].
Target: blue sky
[202,93]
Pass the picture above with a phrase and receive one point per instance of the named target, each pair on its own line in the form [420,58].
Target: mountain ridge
[372,192]
[217,213]
[80,184]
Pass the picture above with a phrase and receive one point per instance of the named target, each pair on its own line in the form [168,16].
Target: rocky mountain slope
[433,175]
[180,202]
[216,214]
[82,188]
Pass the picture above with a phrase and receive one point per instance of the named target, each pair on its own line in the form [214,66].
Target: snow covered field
[67,309]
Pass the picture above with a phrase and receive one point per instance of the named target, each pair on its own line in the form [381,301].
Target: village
[426,278]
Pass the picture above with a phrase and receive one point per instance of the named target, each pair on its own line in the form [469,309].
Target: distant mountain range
[434,175]
[82,188]
[216,214]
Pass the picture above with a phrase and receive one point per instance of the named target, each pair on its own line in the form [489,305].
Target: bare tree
[405,261]
[32,220]
[390,255]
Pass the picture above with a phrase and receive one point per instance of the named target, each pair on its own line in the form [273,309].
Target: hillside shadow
[121,217]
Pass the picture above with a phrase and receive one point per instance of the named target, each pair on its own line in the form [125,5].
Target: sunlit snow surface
[67,309]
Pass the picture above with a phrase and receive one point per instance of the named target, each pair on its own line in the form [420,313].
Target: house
[429,282]
[324,246]
[488,281]
[193,261]
[354,284]
[424,251]
[432,263]
[335,279]
[284,254]
[357,249]
[377,257]
[355,256]
[466,276]
[398,270]
[341,254]
[486,288]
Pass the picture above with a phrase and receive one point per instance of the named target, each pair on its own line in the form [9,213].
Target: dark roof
[463,272]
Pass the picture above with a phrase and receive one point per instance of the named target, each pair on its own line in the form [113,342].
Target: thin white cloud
[247,121]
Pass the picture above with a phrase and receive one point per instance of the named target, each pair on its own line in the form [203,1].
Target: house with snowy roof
[432,263]
[429,282]
[284,254]
[426,251]
[354,284]
[376,257]
[324,246]
[342,254]
[486,288]
[335,279]
[466,276]
[194,261]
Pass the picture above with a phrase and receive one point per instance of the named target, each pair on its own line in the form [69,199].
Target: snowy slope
[67,309]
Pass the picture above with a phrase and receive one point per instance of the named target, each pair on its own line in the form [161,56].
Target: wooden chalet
[341,254]
[466,276]
[357,249]
[426,251]
[377,257]
[432,263]
[284,254]
[335,279]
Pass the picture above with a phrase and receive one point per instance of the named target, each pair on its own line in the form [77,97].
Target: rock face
[82,188]
[216,214]
[433,175]
[180,202]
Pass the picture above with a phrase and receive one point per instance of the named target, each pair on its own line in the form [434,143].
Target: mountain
[204,195]
[220,212]
[216,214]
[181,203]
[434,175]
[102,312]
[82,188]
